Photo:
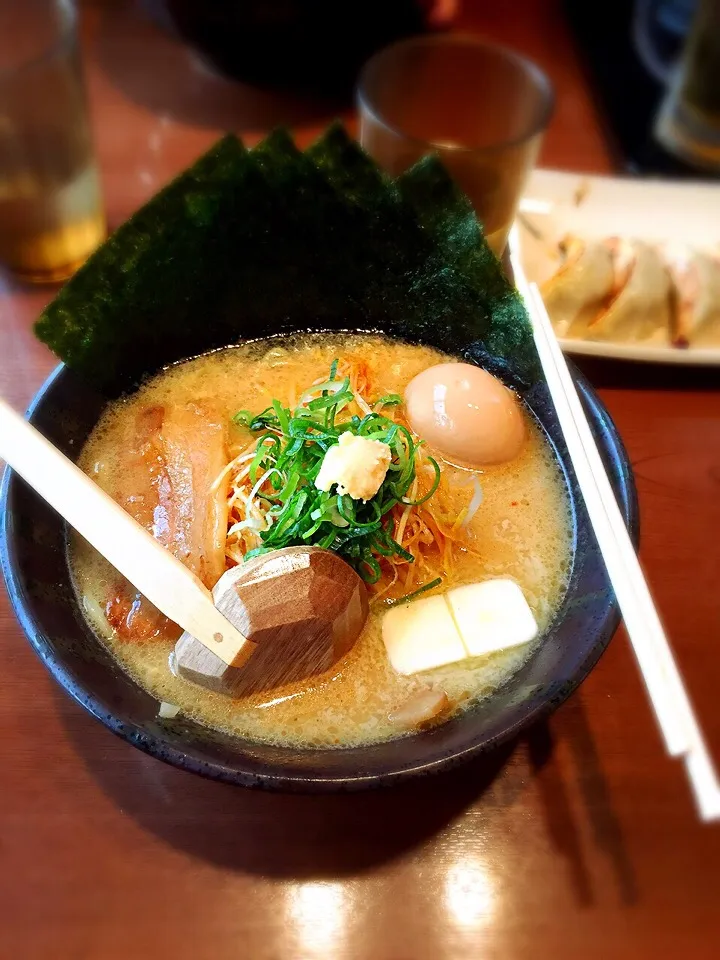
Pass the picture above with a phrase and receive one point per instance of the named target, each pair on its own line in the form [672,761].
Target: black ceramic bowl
[36,572]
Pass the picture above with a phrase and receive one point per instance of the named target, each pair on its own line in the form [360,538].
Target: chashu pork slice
[191,518]
[171,455]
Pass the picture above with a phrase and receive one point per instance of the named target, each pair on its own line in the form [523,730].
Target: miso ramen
[199,419]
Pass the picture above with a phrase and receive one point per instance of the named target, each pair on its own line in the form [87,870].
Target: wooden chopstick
[662,677]
[139,557]
[667,691]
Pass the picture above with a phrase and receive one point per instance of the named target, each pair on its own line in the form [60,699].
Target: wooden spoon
[302,607]
[298,610]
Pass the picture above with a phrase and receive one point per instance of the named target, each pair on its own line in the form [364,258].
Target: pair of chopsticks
[669,699]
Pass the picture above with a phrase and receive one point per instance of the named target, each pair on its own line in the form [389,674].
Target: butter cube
[491,616]
[421,635]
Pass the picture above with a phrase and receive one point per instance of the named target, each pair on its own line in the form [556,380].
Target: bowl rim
[298,781]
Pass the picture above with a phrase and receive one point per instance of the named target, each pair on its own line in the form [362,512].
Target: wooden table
[578,842]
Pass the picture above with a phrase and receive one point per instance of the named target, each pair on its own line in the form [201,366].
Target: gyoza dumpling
[640,310]
[580,287]
[696,310]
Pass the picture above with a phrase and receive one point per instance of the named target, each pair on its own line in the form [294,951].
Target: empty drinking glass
[51,215]
[481,108]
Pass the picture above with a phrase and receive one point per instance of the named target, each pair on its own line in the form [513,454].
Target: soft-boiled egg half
[466,414]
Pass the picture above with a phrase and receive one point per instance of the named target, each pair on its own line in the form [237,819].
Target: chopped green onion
[433,488]
[415,593]
[283,418]
[389,400]
[243,418]
[370,569]
[290,449]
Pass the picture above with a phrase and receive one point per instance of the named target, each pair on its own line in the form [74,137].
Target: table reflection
[469,894]
[319,912]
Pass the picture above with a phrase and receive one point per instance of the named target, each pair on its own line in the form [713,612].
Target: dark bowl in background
[34,563]
[298,45]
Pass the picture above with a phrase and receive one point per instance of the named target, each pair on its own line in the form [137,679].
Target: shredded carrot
[357,370]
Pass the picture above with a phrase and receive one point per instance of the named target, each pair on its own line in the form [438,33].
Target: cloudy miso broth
[521,530]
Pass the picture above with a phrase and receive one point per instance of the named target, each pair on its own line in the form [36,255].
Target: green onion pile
[290,449]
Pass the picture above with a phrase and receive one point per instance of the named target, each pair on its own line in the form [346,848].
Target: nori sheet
[248,243]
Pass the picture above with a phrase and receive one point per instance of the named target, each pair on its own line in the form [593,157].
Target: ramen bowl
[33,541]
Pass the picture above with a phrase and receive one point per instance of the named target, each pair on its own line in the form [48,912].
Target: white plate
[557,203]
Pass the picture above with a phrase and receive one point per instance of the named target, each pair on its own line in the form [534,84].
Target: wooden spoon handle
[152,569]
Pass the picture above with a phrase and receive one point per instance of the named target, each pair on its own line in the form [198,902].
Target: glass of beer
[51,215]
[481,108]
[688,123]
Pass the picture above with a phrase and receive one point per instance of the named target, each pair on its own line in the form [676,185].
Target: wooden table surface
[579,841]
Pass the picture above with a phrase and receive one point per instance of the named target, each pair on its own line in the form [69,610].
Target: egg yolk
[466,414]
